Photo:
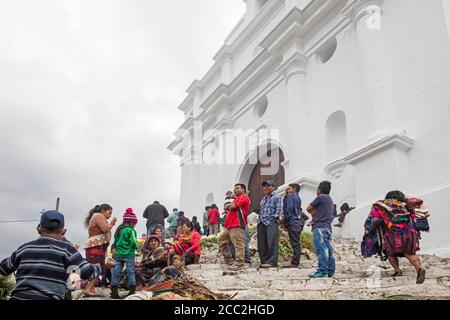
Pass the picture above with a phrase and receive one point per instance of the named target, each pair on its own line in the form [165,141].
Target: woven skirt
[97,255]
[400,244]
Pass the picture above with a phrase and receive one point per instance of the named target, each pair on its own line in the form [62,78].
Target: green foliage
[209,243]
[306,240]
[286,252]
[6,286]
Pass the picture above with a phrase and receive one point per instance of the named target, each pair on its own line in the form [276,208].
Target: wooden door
[256,179]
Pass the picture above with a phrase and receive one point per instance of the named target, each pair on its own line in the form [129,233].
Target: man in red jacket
[213,220]
[235,223]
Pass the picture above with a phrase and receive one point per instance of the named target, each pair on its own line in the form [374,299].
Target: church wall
[418,47]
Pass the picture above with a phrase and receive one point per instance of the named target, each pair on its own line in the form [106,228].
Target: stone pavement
[356,278]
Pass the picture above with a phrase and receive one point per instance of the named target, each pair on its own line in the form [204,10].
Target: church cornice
[293,27]
[398,141]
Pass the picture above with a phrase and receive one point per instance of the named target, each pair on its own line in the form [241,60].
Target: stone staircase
[356,278]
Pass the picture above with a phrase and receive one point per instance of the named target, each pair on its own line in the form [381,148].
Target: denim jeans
[324,251]
[131,271]
[246,246]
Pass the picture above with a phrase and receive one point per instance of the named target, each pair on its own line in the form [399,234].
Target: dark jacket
[292,207]
[155,214]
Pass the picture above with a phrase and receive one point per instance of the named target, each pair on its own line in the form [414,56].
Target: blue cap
[270,182]
[52,220]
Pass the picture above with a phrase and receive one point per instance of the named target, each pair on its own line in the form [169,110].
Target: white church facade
[356,92]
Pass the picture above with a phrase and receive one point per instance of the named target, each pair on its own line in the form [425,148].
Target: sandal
[420,276]
[397,274]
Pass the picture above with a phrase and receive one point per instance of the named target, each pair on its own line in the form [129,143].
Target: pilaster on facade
[224,58]
[356,10]
[294,65]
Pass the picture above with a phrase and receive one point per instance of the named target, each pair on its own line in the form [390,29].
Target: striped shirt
[270,209]
[43,267]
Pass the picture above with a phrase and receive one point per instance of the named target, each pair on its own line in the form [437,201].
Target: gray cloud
[88,97]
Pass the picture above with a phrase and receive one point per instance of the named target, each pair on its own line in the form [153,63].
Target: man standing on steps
[234,226]
[155,215]
[270,209]
[292,208]
[322,209]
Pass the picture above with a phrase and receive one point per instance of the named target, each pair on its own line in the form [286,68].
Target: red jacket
[194,242]
[213,216]
[232,220]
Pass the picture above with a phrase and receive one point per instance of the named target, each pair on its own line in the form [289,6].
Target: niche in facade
[336,136]
[326,51]
[260,107]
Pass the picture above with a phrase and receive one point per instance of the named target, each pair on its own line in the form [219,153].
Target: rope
[17,221]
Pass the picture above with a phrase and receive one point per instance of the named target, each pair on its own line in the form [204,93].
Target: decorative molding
[303,181]
[224,53]
[355,10]
[401,142]
[336,168]
[296,64]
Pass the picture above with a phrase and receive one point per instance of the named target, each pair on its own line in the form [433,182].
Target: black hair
[46,230]
[188,224]
[174,209]
[295,186]
[213,206]
[207,207]
[194,219]
[345,207]
[325,187]
[242,186]
[397,195]
[97,209]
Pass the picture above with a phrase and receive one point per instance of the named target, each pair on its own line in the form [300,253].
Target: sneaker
[420,276]
[292,265]
[330,275]
[317,274]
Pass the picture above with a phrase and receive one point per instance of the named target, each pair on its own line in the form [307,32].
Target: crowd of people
[43,266]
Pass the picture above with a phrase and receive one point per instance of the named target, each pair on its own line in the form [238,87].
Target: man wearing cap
[43,266]
[269,214]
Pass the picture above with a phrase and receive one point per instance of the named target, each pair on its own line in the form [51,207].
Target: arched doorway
[257,177]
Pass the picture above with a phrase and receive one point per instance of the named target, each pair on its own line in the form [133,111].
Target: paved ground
[356,278]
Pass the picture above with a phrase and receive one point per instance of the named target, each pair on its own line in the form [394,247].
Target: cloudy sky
[89,91]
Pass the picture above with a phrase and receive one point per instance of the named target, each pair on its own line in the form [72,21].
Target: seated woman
[190,244]
[153,260]
[399,236]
